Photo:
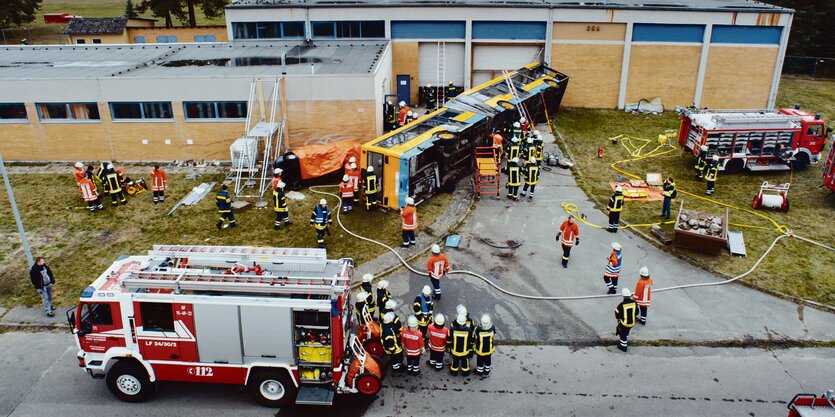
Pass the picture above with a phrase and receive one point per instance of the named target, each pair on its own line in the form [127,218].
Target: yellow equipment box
[315,353]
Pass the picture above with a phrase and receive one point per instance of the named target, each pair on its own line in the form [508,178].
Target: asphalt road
[40,377]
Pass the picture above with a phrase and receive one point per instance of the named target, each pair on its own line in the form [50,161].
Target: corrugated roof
[96,26]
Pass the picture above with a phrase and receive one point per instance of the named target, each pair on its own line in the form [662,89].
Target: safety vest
[498,140]
[321,217]
[539,147]
[224,202]
[88,189]
[643,292]
[423,308]
[409,217]
[569,233]
[513,176]
[460,342]
[279,201]
[401,117]
[531,173]
[437,265]
[670,190]
[113,185]
[614,265]
[346,188]
[616,202]
[353,175]
[712,173]
[370,184]
[79,175]
[626,313]
[372,306]
[412,341]
[513,150]
[158,180]
[437,337]
[391,339]
[483,341]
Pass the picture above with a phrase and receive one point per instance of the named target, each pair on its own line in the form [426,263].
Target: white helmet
[485,321]
[461,319]
[704,147]
[536,133]
[412,322]
[626,292]
[367,277]
[616,246]
[529,140]
[461,310]
[281,184]
[436,249]
[426,290]
[516,124]
[715,158]
[345,177]
[278,171]
[515,139]
[362,296]
[383,284]
[533,159]
[353,165]
[523,120]
[410,201]
[391,305]
[644,271]
[323,202]
[401,104]
[439,319]
[79,165]
[618,189]
[110,166]
[515,160]
[388,317]
[370,168]
[352,159]
[409,113]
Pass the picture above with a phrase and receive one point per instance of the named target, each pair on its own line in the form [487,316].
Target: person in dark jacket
[224,208]
[43,280]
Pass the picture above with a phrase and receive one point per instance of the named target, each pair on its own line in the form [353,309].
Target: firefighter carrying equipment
[670,190]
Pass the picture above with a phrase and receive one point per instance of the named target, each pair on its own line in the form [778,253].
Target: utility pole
[23,239]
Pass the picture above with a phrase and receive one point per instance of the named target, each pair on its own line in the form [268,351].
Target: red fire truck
[809,405]
[757,140]
[277,321]
[828,169]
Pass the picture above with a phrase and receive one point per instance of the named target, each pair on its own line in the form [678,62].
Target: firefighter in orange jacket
[159,182]
[410,222]
[460,344]
[79,173]
[392,345]
[90,195]
[643,294]
[613,266]
[483,346]
[413,343]
[401,114]
[437,266]
[276,178]
[353,172]
[346,190]
[568,236]
[438,335]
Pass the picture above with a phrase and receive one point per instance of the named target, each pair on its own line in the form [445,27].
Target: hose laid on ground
[556,298]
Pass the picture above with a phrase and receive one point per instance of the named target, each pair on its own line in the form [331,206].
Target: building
[181,101]
[715,53]
[120,30]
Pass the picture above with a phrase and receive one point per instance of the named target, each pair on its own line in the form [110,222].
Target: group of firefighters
[113,182]
[431,97]
[707,169]
[522,155]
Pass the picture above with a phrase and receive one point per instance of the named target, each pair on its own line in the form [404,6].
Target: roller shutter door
[490,60]
[428,63]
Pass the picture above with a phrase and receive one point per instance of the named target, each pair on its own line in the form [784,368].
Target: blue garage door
[509,30]
[418,29]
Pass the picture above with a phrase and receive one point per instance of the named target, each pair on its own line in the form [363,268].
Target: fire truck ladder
[183,280]
[514,93]
[441,74]
[487,178]
[276,259]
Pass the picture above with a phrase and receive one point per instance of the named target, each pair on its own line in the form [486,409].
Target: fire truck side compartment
[217,326]
[267,334]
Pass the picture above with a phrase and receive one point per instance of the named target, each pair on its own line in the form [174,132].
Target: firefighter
[410,117]
[438,335]
[277,178]
[320,218]
[615,206]
[372,196]
[90,174]
[625,314]
[101,173]
[643,294]
[430,95]
[224,208]
[79,173]
[527,149]
[451,91]
[354,173]
[517,130]
[391,341]
[701,163]
[413,344]
[159,182]
[368,287]
[460,343]
[424,309]
[383,298]
[613,266]
[90,194]
[391,116]
[524,125]
[514,178]
[280,206]
[438,266]
[531,177]
[346,190]
[539,145]
[568,236]
[498,145]
[113,186]
[460,310]
[409,222]
[361,308]
[401,114]
[483,346]
[711,173]
[514,148]
[669,193]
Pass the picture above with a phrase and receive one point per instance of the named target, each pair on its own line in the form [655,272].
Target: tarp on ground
[319,160]
[646,105]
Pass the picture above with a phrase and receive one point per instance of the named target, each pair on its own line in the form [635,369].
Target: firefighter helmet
[436,249]
[277,171]
[383,284]
[412,322]
[486,322]
[626,292]
[715,158]
[426,290]
[533,160]
[644,271]
[515,139]
[704,147]
[79,165]
[353,165]
[409,113]
[461,319]
[402,104]
[110,166]
[410,201]
[367,277]
[323,202]
[439,319]
[515,160]
[391,304]
[346,178]
[536,133]
[281,184]
[352,160]
[370,169]
[362,296]
[529,140]
[388,317]
[618,189]
[460,309]
[616,246]
[522,120]
[516,124]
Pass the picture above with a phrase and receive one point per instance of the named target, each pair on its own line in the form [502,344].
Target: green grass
[39,32]
[793,267]
[80,245]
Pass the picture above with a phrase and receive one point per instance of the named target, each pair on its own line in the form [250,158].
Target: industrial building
[182,101]
[714,53]
[120,30]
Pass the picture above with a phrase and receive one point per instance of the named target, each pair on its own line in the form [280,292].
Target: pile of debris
[701,223]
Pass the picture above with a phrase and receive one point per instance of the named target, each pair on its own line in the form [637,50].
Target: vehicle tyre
[506,105]
[374,347]
[272,388]
[733,166]
[801,161]
[129,381]
[368,384]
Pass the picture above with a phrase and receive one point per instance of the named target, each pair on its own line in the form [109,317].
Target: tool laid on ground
[197,193]
[772,196]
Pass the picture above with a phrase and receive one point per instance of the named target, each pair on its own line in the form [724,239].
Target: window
[139,111]
[68,111]
[157,316]
[13,111]
[80,41]
[166,39]
[96,40]
[95,315]
[268,30]
[351,29]
[139,39]
[205,38]
[215,109]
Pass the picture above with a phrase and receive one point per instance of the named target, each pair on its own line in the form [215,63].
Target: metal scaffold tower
[254,153]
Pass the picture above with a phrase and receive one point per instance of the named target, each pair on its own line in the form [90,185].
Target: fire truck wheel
[272,388]
[374,347]
[368,384]
[129,381]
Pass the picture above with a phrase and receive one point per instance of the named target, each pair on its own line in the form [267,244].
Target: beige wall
[738,77]
[183,34]
[121,38]
[666,71]
[594,72]
[589,31]
[405,61]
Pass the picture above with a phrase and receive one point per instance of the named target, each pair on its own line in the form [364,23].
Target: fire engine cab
[277,321]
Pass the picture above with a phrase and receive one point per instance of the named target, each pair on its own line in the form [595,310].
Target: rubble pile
[701,223]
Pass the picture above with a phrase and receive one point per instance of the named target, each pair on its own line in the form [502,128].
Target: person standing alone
[568,236]
[43,280]
[159,182]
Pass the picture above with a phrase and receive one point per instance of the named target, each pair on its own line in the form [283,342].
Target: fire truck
[809,405]
[828,169]
[756,140]
[277,321]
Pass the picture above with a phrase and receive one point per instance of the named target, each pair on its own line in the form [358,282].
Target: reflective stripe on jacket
[159,180]
[626,313]
[437,265]
[409,217]
[412,341]
[437,337]
[616,202]
[614,265]
[569,232]
[643,292]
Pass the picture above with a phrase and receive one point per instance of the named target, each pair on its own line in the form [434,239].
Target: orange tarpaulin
[320,160]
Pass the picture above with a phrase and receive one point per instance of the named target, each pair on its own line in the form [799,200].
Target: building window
[166,39]
[349,29]
[268,30]
[96,40]
[205,38]
[139,39]
[67,111]
[215,109]
[13,111]
[157,317]
[141,111]
[80,41]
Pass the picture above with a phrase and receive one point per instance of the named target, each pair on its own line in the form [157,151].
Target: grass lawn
[39,32]
[79,245]
[793,267]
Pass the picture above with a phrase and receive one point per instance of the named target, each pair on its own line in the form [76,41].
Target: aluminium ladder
[440,93]
[514,93]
